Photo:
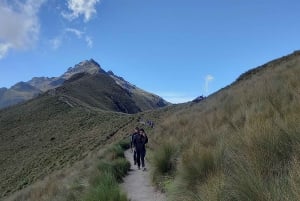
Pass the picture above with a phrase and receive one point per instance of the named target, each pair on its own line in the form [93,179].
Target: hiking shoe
[144,169]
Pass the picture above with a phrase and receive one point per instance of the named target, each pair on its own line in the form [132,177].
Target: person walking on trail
[140,141]
[132,146]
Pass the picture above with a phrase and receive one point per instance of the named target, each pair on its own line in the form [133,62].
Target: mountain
[98,91]
[45,83]
[87,66]
[142,98]
[240,143]
[62,125]
[17,94]
[37,85]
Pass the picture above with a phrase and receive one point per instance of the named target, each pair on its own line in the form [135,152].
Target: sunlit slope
[46,134]
[241,143]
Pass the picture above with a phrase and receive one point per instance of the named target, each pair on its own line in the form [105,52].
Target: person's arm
[146,139]
[134,141]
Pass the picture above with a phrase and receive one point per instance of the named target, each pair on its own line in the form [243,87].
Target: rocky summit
[24,91]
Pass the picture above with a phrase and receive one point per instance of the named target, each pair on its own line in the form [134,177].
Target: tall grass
[105,187]
[165,164]
[104,184]
[241,143]
[95,179]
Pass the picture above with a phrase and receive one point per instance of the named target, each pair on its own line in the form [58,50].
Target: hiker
[132,145]
[140,141]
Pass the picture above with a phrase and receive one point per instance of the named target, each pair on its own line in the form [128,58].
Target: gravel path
[137,184]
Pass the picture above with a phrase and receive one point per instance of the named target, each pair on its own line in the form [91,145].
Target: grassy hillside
[46,134]
[102,92]
[241,143]
[60,127]
[98,91]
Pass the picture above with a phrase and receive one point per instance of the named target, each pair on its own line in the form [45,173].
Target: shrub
[197,165]
[107,189]
[125,143]
[164,159]
[114,152]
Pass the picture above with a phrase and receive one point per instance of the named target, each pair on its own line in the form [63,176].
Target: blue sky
[175,49]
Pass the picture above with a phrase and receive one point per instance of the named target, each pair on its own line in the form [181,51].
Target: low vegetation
[96,179]
[239,144]
[111,168]
[242,143]
[46,135]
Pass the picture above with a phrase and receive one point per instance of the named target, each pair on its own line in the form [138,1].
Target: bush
[114,152]
[164,159]
[107,189]
[197,165]
[110,170]
[125,143]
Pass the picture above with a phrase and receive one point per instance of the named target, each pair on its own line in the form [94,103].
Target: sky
[176,49]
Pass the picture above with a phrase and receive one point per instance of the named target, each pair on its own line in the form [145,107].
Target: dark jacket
[140,141]
[132,138]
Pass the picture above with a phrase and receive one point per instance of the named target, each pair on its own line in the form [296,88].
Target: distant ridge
[24,91]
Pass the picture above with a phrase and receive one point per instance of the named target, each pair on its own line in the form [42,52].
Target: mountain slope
[46,134]
[99,91]
[62,125]
[17,94]
[45,83]
[241,143]
[143,100]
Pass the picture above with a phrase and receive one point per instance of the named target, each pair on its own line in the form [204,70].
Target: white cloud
[87,8]
[75,31]
[208,79]
[89,41]
[19,25]
[56,43]
[4,47]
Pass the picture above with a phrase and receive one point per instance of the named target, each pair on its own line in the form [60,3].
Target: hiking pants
[134,156]
[140,154]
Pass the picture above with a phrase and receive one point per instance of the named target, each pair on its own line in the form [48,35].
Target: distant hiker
[132,145]
[139,142]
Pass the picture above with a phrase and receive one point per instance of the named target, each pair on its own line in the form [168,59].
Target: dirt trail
[137,184]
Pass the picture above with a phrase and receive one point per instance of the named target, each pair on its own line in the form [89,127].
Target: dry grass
[243,142]
[82,180]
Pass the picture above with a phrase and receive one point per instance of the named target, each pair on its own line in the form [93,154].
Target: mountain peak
[86,66]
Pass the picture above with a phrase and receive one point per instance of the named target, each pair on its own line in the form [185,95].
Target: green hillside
[241,143]
[99,91]
[46,134]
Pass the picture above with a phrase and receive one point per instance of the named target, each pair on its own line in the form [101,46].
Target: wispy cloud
[77,32]
[207,80]
[4,47]
[86,8]
[19,25]
[89,41]
[57,42]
